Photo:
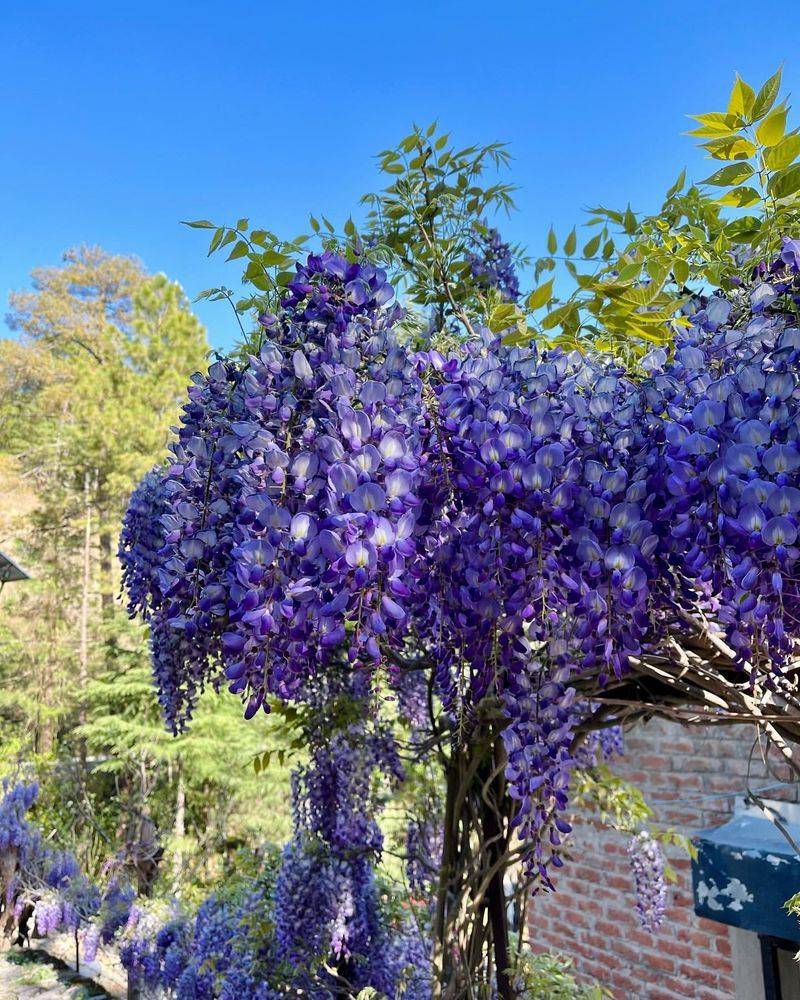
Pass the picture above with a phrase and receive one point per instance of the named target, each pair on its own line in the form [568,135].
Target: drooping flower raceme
[647,864]
[492,262]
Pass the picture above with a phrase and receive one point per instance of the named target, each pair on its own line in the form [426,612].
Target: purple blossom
[647,864]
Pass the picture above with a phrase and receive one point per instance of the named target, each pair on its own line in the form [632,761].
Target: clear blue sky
[119,119]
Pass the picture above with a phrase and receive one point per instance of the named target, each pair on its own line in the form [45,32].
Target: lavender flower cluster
[492,263]
[16,832]
[327,902]
[525,516]
[647,863]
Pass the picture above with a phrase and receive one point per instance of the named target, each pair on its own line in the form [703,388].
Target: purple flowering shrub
[538,515]
[505,539]
[16,831]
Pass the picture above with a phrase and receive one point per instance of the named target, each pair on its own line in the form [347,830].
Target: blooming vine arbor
[522,540]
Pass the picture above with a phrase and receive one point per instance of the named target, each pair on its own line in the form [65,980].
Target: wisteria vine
[525,516]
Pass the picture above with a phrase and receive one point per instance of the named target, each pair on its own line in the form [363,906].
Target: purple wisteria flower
[647,864]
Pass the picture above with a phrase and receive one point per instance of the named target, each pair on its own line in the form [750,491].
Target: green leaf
[216,239]
[678,185]
[200,224]
[784,153]
[766,96]
[786,182]
[552,242]
[271,258]
[570,243]
[314,224]
[734,173]
[773,128]
[716,123]
[503,316]
[630,272]
[743,229]
[733,148]
[393,168]
[560,314]
[742,98]
[629,222]
[240,250]
[740,197]
[680,270]
[592,246]
[540,296]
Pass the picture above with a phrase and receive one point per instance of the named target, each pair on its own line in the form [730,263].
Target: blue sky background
[118,119]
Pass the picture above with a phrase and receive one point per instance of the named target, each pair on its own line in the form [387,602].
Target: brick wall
[592,917]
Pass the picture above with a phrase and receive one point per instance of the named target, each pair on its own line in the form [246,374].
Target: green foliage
[89,391]
[620,805]
[548,977]
[268,270]
[422,223]
[626,285]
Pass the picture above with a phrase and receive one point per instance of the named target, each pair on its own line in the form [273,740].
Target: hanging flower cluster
[525,516]
[424,843]
[327,901]
[647,864]
[492,262]
[17,833]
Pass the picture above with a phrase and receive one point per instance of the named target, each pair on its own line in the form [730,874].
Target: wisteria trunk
[8,867]
[471,929]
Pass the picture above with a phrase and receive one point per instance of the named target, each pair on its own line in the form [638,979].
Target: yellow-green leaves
[785,183]
[540,296]
[773,128]
[767,96]
[552,242]
[740,197]
[731,148]
[680,271]
[742,98]
[735,173]
[784,153]
[716,124]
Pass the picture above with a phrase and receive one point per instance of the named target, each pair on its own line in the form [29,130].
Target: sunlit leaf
[734,173]
[773,128]
[740,197]
[742,98]
[716,124]
[767,96]
[786,182]
[540,296]
[784,153]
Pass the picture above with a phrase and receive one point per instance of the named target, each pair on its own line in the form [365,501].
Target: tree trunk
[179,828]
[471,940]
[83,649]
[8,868]
[106,571]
